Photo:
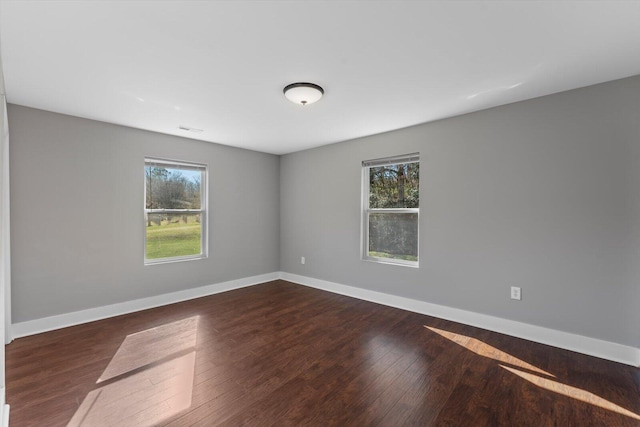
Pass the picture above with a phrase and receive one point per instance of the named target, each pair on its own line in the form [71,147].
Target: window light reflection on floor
[485,350]
[149,379]
[572,392]
[151,346]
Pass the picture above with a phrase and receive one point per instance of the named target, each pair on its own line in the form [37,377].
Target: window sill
[388,261]
[172,260]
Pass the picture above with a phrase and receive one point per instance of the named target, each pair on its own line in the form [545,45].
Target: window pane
[393,235]
[394,186]
[173,235]
[173,187]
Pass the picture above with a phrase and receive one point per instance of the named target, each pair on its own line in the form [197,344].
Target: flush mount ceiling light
[303,93]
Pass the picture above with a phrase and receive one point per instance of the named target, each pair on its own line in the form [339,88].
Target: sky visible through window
[192,176]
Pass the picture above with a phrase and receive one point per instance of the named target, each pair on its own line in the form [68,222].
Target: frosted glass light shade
[303,93]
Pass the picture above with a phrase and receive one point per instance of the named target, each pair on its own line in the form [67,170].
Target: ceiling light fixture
[303,93]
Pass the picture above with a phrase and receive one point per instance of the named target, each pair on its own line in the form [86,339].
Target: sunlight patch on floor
[485,350]
[143,399]
[149,379]
[572,392]
[152,345]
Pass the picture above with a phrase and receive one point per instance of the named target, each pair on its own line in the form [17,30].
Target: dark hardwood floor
[285,355]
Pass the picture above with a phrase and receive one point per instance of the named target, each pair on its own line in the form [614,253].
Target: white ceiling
[220,66]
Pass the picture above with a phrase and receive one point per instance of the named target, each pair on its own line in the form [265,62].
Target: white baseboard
[568,341]
[4,409]
[578,343]
[32,327]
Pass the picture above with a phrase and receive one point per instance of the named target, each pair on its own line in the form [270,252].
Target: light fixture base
[303,93]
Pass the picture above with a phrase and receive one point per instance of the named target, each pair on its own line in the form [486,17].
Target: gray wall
[542,194]
[77,214]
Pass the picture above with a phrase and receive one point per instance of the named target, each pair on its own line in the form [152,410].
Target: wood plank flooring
[280,354]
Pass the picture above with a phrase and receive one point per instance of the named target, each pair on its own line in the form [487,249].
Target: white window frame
[203,211]
[366,210]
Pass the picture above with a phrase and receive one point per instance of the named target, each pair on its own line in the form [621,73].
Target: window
[391,207]
[175,213]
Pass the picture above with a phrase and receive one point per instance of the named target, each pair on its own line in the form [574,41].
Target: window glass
[393,235]
[394,186]
[391,203]
[175,215]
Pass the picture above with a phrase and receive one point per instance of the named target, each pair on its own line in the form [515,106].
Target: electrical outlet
[516,293]
[302,260]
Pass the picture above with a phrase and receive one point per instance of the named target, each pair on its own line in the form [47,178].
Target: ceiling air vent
[188,129]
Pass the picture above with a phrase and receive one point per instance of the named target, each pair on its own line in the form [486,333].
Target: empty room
[319,213]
